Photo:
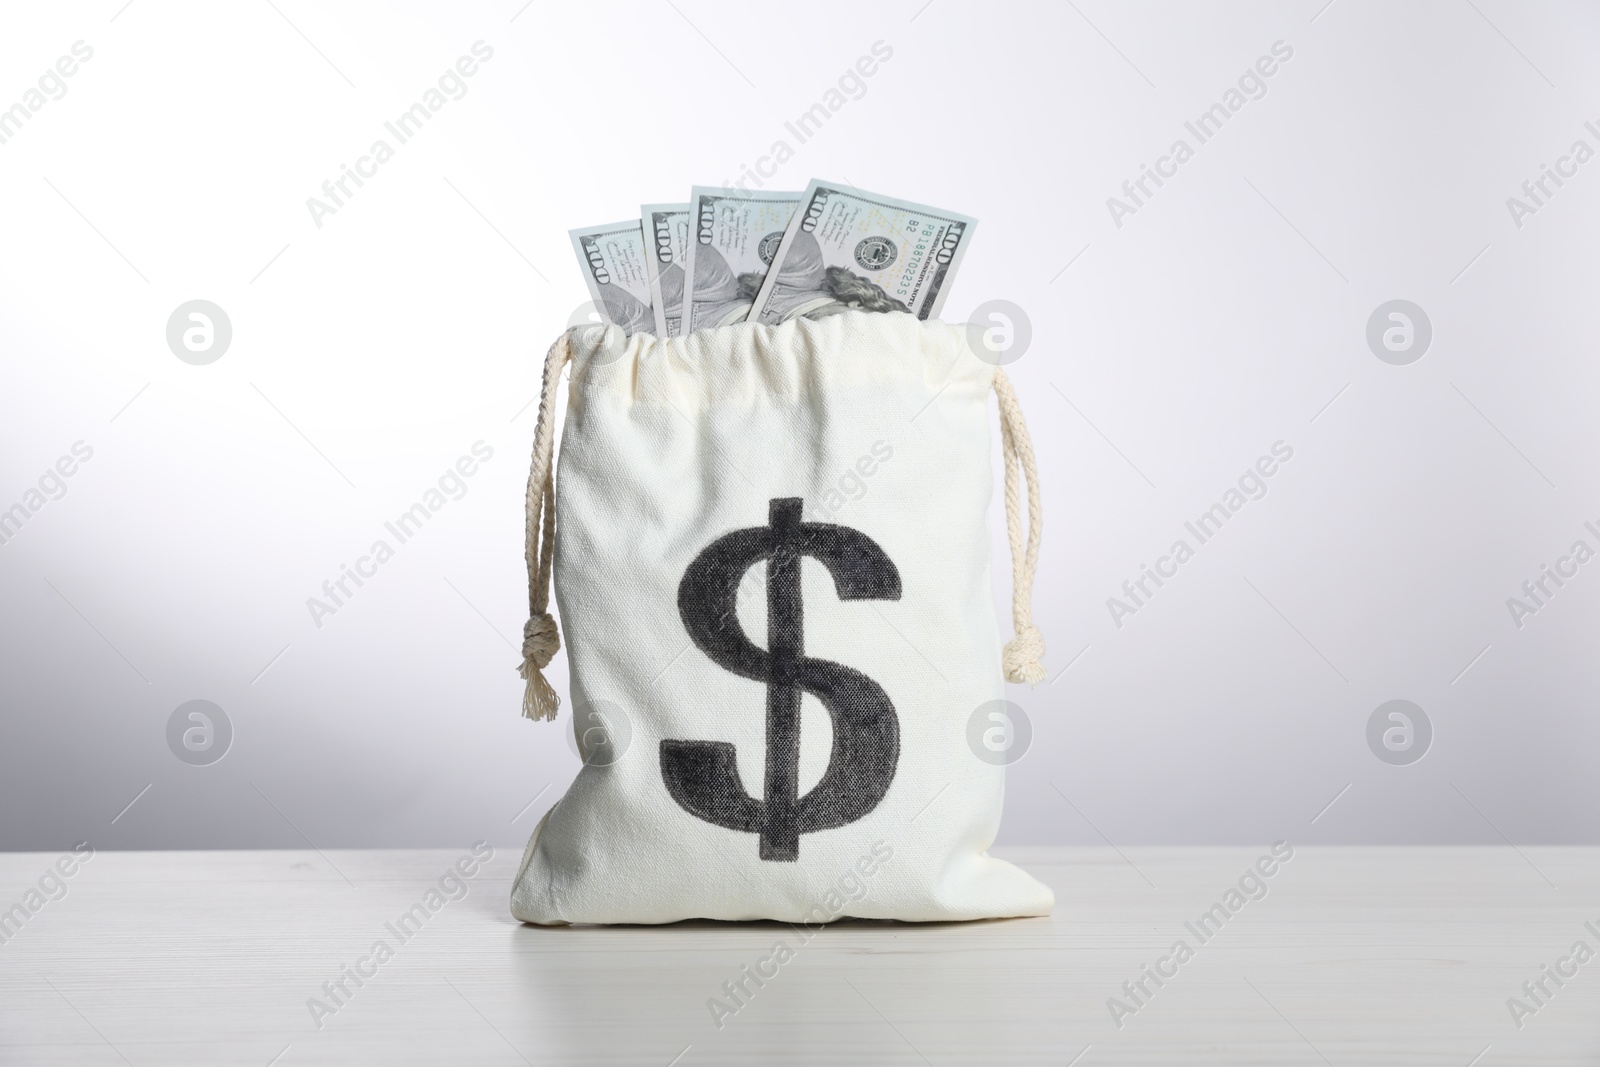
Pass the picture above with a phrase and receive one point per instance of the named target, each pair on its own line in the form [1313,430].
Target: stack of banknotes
[731,256]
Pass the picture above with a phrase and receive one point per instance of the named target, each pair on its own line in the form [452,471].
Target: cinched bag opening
[1021,659]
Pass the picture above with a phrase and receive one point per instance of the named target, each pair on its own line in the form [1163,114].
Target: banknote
[733,237]
[846,248]
[614,265]
[666,231]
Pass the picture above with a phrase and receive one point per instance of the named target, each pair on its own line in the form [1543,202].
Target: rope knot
[541,640]
[1022,656]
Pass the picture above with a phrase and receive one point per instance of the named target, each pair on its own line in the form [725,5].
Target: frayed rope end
[539,701]
[1022,657]
[540,642]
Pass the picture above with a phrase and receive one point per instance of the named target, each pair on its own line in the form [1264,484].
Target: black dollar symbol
[703,776]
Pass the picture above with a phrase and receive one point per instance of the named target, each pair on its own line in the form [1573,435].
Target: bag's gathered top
[541,639]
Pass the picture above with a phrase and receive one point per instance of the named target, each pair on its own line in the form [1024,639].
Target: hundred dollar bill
[666,232]
[613,259]
[732,239]
[850,249]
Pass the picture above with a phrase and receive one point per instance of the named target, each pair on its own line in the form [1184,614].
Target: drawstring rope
[1022,655]
[540,637]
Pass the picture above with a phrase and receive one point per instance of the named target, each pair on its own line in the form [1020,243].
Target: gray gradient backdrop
[1172,346]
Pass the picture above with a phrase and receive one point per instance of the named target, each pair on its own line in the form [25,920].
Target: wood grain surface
[1384,956]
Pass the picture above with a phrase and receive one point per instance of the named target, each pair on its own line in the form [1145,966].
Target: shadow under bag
[772,565]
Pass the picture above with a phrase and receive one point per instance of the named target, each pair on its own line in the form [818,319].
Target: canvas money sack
[771,560]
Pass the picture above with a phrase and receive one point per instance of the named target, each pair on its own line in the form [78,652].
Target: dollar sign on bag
[703,776]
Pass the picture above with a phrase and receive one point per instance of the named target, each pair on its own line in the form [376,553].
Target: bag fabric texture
[772,567]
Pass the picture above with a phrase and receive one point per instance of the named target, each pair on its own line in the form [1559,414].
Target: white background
[1168,353]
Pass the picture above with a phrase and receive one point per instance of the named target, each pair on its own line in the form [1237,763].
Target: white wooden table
[1356,956]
